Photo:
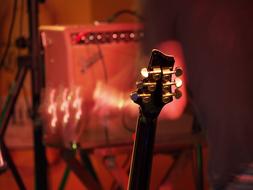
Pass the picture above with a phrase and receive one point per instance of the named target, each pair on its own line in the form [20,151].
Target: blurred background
[19,133]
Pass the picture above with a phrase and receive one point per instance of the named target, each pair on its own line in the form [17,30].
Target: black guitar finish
[154,91]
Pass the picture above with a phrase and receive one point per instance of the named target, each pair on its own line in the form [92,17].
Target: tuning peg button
[178,71]
[177,94]
[167,96]
[144,72]
[134,96]
[178,82]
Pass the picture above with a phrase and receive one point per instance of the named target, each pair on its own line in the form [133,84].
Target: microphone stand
[32,62]
[38,82]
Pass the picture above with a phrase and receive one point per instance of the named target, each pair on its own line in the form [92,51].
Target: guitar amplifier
[77,59]
[74,53]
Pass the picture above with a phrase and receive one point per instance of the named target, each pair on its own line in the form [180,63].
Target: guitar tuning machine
[178,71]
[177,82]
[167,72]
[167,96]
[155,73]
[151,86]
[145,97]
[134,96]
[144,72]
[166,87]
[177,94]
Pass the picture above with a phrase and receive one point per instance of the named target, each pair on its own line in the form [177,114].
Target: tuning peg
[167,72]
[177,82]
[177,94]
[167,96]
[166,87]
[156,73]
[150,85]
[178,71]
[144,72]
[145,97]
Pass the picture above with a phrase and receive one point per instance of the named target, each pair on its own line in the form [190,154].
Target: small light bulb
[69,97]
[53,122]
[66,118]
[74,146]
[121,103]
[50,109]
[78,115]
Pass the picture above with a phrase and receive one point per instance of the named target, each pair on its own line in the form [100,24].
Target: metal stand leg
[37,79]
[175,170]
[5,118]
[196,128]
[31,62]
[3,164]
[199,160]
[12,167]
[64,179]
[85,177]
[40,158]
[118,173]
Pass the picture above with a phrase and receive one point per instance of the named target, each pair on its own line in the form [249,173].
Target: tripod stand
[31,63]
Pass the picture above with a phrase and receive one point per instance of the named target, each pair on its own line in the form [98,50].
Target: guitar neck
[153,92]
[142,154]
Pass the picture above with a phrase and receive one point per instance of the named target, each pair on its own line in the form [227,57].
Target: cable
[107,138]
[101,56]
[14,13]
[21,18]
[124,11]
[21,21]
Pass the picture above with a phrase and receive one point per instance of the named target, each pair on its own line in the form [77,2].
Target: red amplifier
[77,59]
[75,53]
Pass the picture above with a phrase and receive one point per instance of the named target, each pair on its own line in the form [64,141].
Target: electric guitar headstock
[155,89]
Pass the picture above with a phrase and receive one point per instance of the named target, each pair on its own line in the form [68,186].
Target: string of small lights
[106,37]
